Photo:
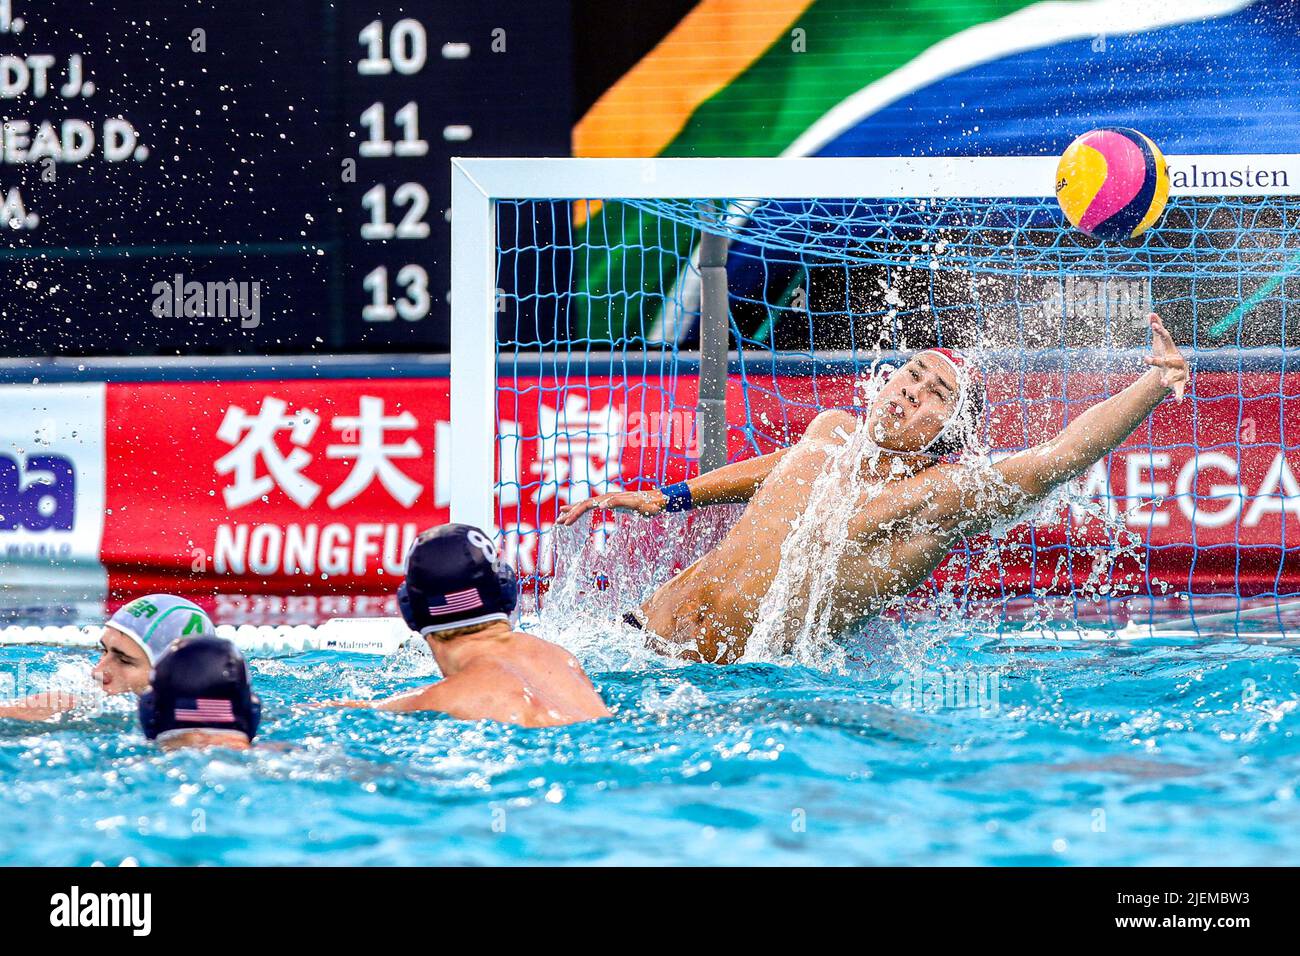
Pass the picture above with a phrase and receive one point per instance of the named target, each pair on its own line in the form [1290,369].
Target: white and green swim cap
[155,620]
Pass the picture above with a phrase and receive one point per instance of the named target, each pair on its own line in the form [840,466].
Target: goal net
[596,301]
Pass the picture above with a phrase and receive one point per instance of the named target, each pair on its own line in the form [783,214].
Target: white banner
[52,488]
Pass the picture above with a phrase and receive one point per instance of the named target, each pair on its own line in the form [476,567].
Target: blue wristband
[679,497]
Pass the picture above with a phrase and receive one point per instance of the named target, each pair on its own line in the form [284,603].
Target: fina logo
[75,909]
[40,497]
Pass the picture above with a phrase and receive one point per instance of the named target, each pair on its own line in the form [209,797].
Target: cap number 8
[483,543]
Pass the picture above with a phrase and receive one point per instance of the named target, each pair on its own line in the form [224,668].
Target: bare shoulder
[828,423]
[547,648]
[453,695]
[484,688]
[524,661]
[484,672]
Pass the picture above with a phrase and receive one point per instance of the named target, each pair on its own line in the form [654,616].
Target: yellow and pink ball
[1112,183]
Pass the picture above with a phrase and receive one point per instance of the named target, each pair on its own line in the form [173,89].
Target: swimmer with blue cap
[201,695]
[133,640]
[458,595]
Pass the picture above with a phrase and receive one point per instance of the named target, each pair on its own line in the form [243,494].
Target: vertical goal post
[479,185]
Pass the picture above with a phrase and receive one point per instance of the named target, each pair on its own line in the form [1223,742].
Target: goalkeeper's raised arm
[1104,426]
[936,502]
[1099,430]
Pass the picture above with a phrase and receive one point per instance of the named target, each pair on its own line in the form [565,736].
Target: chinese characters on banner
[322,486]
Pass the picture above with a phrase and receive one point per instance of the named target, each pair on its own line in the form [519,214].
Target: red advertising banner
[295,485]
[1208,486]
[318,487]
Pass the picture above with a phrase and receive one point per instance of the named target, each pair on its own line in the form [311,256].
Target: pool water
[988,751]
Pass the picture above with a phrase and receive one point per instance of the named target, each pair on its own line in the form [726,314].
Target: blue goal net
[600,307]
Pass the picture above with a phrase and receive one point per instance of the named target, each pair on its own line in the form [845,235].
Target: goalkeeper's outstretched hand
[1166,357]
[643,502]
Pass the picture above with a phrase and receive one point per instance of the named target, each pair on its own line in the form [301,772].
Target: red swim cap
[957,360]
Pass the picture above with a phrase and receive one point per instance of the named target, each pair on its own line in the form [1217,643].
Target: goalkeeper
[929,407]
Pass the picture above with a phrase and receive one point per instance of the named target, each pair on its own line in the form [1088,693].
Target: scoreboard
[243,177]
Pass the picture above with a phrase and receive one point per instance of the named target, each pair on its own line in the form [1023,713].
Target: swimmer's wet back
[459,596]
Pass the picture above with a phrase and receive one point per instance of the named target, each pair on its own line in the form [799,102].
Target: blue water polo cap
[155,620]
[201,683]
[454,578]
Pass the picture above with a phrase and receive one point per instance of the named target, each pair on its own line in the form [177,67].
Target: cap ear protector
[254,719]
[509,583]
[149,714]
[251,719]
[408,611]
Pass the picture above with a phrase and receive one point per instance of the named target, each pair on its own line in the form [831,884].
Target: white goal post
[478,185]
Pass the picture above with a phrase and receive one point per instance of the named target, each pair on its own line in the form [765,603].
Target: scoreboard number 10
[407,46]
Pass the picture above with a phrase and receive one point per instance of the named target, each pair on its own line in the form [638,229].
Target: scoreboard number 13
[412,306]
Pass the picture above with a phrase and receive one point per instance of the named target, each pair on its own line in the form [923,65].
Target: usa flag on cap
[204,710]
[455,602]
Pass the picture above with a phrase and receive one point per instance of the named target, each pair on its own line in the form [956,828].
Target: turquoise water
[1070,753]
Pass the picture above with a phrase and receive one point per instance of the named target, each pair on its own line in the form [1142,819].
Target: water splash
[798,611]
[801,618]
[604,569]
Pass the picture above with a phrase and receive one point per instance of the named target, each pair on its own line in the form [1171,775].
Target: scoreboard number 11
[378,145]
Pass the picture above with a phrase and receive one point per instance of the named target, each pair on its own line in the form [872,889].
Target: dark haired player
[133,639]
[898,535]
[201,695]
[459,597]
